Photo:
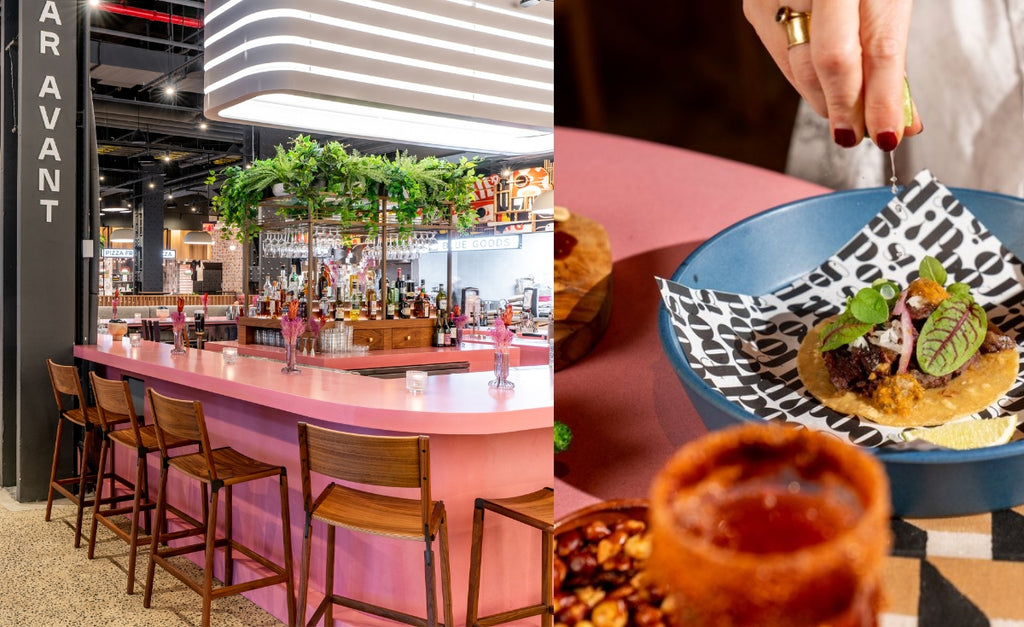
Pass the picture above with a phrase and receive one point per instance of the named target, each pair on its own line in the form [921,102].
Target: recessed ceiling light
[203,125]
[152,185]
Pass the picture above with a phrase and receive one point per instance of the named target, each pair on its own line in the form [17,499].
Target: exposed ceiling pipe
[149,14]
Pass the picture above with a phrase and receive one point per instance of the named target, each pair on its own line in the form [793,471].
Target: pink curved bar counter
[483,443]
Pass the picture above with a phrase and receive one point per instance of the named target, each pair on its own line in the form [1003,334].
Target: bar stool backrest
[181,419]
[66,383]
[378,460]
[114,402]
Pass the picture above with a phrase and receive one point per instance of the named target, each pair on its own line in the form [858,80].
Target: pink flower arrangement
[205,299]
[501,335]
[292,325]
[114,303]
[178,320]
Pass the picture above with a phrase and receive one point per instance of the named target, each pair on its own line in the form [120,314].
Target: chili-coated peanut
[638,547]
[610,613]
[590,595]
[568,542]
[596,530]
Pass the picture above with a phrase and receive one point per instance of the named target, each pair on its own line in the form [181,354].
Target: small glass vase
[501,364]
[178,349]
[289,358]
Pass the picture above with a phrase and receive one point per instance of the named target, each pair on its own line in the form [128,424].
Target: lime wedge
[967,434]
[908,104]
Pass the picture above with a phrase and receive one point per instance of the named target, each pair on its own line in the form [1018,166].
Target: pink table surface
[625,405]
[483,443]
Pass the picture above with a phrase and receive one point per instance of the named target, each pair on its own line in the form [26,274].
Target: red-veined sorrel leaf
[841,331]
[951,335]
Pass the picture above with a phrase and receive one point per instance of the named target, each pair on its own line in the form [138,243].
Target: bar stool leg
[446,575]
[84,469]
[53,468]
[472,604]
[229,561]
[547,585]
[428,566]
[211,540]
[98,497]
[158,528]
[140,478]
[329,578]
[287,533]
[307,532]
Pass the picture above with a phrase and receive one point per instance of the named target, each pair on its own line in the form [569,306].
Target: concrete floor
[44,580]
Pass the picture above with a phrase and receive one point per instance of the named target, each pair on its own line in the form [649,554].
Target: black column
[148,221]
[40,249]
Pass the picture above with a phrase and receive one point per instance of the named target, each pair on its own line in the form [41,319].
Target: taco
[921,356]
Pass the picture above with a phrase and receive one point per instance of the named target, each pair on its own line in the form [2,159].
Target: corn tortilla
[974,390]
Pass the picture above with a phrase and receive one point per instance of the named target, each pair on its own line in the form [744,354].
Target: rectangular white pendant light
[466,74]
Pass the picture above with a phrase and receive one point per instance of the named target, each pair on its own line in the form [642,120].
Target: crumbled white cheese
[917,302]
[889,336]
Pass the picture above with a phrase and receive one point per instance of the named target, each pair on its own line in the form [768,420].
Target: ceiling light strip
[379,123]
[405,11]
[463,23]
[283,40]
[286,66]
[268,14]
[505,12]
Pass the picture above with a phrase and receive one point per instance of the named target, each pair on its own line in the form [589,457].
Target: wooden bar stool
[67,385]
[114,404]
[213,469]
[536,509]
[400,462]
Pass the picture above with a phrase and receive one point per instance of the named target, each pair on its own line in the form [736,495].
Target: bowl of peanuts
[600,576]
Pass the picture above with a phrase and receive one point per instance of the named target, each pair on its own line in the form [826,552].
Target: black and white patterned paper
[745,346]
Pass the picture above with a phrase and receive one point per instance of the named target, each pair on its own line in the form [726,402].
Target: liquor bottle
[389,305]
[303,305]
[453,335]
[417,306]
[265,297]
[441,302]
[339,310]
[371,298]
[357,305]
[275,300]
[440,338]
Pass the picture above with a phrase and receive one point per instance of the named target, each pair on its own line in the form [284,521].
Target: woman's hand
[851,70]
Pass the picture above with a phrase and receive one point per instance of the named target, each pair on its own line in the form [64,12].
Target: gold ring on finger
[797,23]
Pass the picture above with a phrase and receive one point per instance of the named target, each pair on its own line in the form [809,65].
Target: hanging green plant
[322,181]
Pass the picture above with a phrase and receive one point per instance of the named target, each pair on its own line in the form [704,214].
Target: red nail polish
[886,141]
[845,137]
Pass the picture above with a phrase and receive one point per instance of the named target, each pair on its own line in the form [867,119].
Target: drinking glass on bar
[771,525]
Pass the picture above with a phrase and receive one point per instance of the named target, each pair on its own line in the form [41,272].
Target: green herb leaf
[931,269]
[951,335]
[959,289]
[869,306]
[841,331]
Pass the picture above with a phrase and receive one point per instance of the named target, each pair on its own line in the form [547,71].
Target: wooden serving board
[583,285]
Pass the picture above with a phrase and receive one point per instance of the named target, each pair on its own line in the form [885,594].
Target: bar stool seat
[67,384]
[114,403]
[536,509]
[214,469]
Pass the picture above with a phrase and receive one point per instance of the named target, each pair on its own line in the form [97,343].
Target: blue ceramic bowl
[779,245]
